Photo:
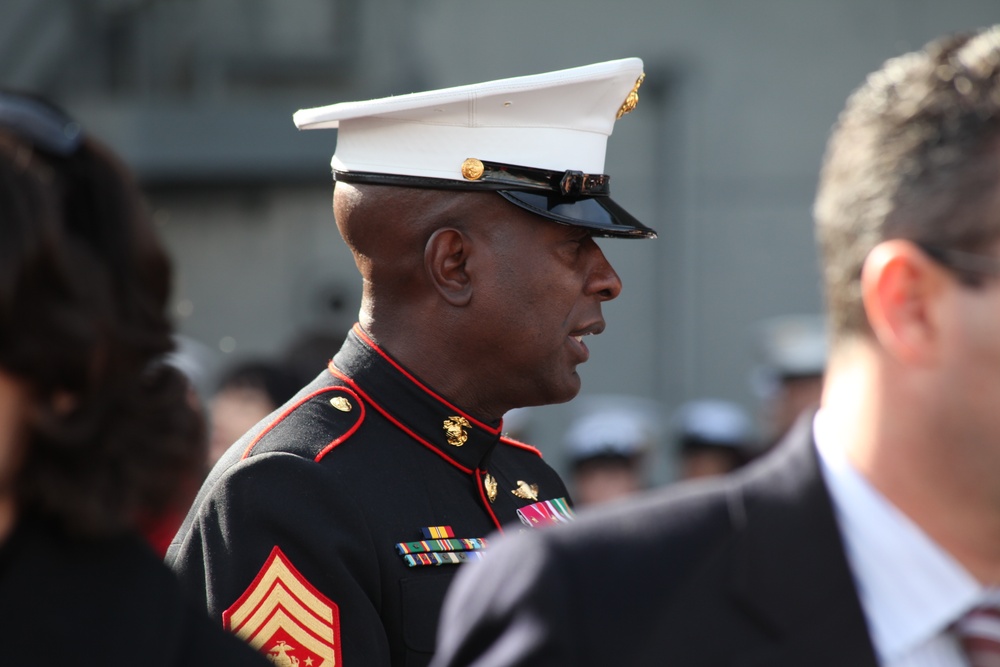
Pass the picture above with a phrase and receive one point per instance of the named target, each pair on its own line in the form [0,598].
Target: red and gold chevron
[283,616]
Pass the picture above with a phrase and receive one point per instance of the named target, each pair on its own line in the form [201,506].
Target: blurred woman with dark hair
[97,434]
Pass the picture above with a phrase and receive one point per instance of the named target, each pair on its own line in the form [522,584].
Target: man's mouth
[582,352]
[591,329]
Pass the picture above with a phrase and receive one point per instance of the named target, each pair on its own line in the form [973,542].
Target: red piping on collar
[361,334]
[521,445]
[337,373]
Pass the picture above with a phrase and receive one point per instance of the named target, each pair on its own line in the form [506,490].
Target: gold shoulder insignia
[341,404]
[526,491]
[285,617]
[343,414]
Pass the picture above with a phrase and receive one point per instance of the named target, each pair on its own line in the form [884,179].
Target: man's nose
[604,280]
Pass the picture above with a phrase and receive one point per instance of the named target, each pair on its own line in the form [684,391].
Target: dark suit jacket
[743,570]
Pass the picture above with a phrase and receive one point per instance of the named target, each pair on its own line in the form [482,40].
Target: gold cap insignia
[632,98]
[454,430]
[341,403]
[526,491]
[473,169]
[490,484]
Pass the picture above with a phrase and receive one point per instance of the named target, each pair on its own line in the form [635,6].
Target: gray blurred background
[721,156]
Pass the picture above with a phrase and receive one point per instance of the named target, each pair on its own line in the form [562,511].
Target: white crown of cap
[557,121]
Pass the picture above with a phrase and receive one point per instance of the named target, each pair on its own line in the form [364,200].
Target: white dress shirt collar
[911,590]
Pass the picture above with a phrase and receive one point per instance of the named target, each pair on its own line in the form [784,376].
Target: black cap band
[569,197]
[515,177]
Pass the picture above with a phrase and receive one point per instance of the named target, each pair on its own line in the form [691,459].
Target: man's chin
[551,395]
[567,391]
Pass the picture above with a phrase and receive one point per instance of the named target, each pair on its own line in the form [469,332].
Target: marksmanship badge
[526,491]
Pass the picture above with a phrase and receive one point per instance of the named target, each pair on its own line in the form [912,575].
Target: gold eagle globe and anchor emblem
[283,616]
[454,430]
[278,654]
[632,99]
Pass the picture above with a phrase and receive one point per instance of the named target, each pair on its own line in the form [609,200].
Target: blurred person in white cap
[789,380]
[329,534]
[608,448]
[713,437]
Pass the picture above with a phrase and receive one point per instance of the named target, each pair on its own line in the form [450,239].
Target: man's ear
[901,289]
[445,257]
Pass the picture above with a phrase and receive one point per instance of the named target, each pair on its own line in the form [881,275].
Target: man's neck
[910,450]
[438,364]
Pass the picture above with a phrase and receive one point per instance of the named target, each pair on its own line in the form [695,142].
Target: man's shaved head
[388,228]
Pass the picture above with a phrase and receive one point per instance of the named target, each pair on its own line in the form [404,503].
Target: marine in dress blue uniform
[359,462]
[328,534]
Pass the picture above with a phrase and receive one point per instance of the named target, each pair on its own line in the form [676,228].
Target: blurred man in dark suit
[871,535]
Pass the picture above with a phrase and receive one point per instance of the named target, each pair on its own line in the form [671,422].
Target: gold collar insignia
[454,430]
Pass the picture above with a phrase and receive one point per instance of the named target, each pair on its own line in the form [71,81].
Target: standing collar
[411,405]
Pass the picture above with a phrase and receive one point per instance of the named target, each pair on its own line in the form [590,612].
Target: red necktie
[979,634]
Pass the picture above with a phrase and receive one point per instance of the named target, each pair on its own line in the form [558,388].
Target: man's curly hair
[915,155]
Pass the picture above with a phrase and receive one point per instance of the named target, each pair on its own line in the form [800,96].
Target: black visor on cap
[601,214]
[538,191]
